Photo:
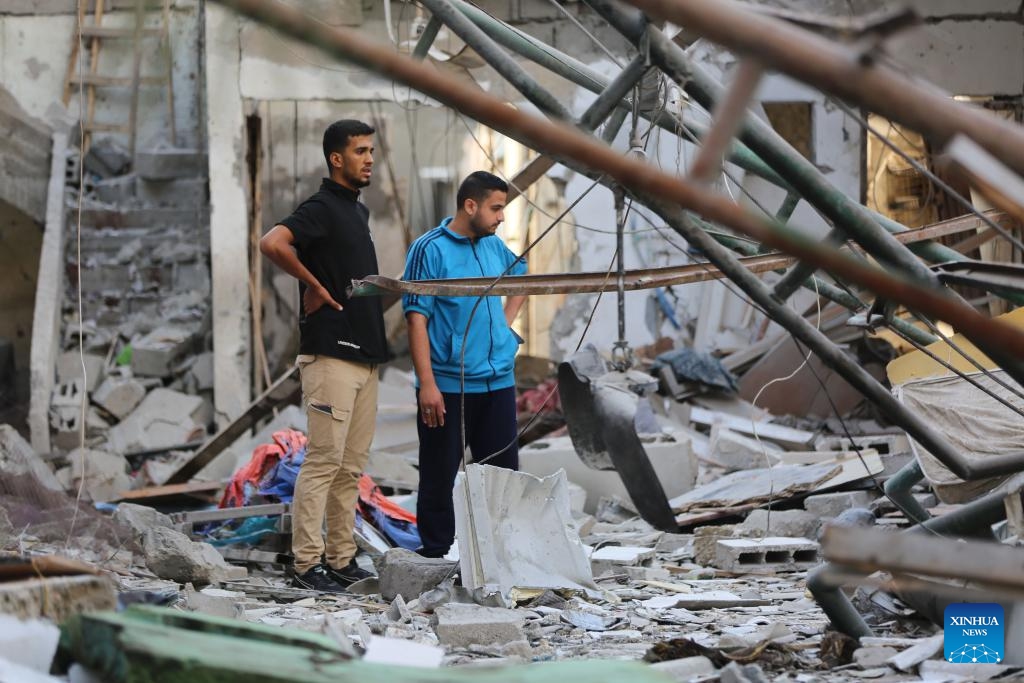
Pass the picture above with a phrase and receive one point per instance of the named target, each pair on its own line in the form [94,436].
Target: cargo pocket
[328,427]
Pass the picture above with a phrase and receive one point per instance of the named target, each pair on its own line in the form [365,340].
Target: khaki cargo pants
[341,405]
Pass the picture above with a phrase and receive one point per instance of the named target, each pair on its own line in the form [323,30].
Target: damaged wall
[36,76]
[20,243]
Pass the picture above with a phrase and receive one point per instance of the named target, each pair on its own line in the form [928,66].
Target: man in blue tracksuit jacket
[453,354]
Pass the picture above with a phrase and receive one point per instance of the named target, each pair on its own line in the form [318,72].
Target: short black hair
[337,134]
[477,186]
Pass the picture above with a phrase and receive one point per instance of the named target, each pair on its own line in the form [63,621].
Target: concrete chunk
[685,669]
[104,473]
[403,572]
[69,367]
[460,626]
[773,553]
[156,354]
[828,505]
[165,418]
[140,518]
[57,597]
[18,458]
[119,396]
[789,523]
[172,555]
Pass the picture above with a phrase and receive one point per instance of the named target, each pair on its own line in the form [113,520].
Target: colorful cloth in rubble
[391,519]
[271,471]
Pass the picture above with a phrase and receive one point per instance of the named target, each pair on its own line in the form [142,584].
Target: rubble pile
[145,328]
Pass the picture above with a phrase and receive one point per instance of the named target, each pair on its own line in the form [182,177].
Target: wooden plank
[991,564]
[285,390]
[153,494]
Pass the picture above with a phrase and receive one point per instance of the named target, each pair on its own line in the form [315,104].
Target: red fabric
[533,400]
[371,495]
[264,458]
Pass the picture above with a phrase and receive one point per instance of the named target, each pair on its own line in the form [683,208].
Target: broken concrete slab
[515,530]
[756,486]
[157,353]
[614,557]
[119,396]
[708,599]
[766,554]
[828,505]
[403,572]
[17,457]
[172,555]
[164,419]
[789,523]
[735,451]
[705,542]
[674,463]
[105,474]
[461,626]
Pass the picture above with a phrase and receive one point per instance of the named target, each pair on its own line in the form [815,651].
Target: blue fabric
[281,480]
[490,345]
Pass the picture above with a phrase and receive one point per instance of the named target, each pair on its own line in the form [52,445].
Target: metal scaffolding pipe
[499,60]
[898,489]
[658,189]
[836,69]
[582,75]
[850,218]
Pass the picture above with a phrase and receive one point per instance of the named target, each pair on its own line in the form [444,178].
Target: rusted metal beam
[729,115]
[567,144]
[835,69]
[567,283]
[649,278]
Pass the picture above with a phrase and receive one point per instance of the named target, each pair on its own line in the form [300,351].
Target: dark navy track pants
[491,430]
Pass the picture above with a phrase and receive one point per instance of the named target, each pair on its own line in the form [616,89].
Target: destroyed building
[770,387]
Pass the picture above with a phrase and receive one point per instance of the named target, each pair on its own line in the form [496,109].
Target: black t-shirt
[332,238]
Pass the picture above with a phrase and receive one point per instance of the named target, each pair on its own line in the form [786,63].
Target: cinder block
[829,505]
[773,553]
[885,444]
[460,626]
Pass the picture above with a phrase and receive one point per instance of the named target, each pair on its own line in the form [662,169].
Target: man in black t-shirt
[325,244]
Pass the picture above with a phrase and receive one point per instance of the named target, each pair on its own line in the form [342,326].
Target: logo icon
[973,633]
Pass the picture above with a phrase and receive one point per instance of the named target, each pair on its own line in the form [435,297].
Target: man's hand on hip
[316,297]
[432,406]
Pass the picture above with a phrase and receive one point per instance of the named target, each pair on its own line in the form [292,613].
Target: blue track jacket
[490,343]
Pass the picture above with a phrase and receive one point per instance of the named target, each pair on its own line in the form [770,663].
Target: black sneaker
[348,574]
[318,579]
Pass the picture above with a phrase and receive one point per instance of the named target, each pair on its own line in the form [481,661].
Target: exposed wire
[83,459]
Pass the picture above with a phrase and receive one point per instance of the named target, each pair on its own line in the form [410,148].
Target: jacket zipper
[490,317]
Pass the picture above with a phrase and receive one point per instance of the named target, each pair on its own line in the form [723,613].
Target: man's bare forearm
[513,304]
[419,347]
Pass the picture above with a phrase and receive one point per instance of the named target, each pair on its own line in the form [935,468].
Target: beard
[481,229]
